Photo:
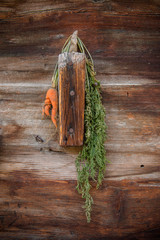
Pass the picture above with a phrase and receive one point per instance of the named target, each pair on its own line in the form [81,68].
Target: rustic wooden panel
[38,177]
[33,211]
[57,164]
[72,71]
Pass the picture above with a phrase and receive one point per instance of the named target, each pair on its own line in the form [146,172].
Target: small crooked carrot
[50,104]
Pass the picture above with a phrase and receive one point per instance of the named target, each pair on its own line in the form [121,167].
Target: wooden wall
[38,177]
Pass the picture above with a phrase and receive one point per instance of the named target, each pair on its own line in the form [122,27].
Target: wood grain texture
[71,67]
[121,209]
[37,176]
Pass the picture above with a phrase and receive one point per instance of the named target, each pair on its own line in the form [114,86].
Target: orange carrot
[51,105]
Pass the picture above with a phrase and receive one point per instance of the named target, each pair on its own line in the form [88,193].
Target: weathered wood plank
[110,44]
[146,7]
[121,208]
[71,67]
[103,18]
[51,162]
[37,78]
[116,6]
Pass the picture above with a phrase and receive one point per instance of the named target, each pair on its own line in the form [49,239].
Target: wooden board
[71,98]
[122,209]
[37,176]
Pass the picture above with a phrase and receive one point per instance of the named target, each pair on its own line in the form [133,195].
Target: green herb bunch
[91,161]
